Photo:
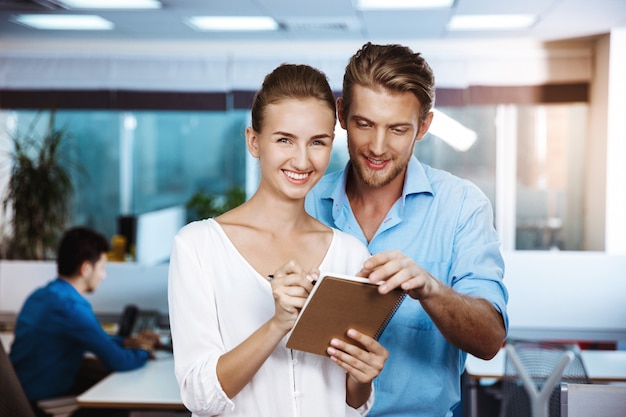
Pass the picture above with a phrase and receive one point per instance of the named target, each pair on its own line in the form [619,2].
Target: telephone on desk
[133,321]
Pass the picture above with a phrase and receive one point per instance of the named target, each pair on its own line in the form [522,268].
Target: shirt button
[295,361]
[296,394]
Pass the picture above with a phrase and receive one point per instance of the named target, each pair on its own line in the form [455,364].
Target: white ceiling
[557,20]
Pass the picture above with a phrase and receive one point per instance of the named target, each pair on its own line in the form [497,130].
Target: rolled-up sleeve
[477,268]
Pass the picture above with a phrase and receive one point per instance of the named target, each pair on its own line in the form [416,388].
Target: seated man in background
[57,326]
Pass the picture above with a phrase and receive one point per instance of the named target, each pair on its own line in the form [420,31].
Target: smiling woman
[230,356]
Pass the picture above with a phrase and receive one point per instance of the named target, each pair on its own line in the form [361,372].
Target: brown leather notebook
[338,303]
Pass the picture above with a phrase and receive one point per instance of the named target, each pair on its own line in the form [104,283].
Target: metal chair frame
[539,386]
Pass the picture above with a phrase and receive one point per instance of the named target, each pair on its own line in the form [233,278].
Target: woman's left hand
[363,364]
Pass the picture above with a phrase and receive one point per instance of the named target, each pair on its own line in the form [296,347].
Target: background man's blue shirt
[54,330]
[445,224]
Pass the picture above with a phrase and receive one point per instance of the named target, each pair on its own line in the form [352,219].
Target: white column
[616,145]
[127,141]
[506,175]
[9,119]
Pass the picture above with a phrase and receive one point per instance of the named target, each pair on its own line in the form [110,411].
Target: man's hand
[395,270]
[469,323]
[146,340]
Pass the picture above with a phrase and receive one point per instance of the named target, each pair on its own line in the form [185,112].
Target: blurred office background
[164,157]
[157,109]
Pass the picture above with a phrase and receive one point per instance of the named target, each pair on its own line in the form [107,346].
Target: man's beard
[377,179]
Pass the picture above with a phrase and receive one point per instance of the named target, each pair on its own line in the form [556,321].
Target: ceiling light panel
[316,24]
[492,22]
[64,22]
[402,4]
[232,23]
[109,4]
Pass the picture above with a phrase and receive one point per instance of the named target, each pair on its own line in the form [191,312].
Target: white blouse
[216,300]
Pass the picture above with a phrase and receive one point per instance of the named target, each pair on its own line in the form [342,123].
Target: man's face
[96,274]
[382,128]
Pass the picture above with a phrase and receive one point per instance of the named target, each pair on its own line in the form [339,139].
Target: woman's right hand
[237,367]
[290,288]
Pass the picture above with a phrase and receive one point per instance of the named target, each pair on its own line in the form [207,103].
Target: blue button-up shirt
[54,330]
[445,224]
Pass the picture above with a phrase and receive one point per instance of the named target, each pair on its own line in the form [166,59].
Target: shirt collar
[416,180]
[336,189]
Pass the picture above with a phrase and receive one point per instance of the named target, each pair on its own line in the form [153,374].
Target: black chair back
[13,401]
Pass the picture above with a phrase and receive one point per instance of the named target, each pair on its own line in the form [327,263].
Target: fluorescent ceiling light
[232,23]
[491,22]
[109,4]
[402,4]
[64,22]
[338,23]
[452,132]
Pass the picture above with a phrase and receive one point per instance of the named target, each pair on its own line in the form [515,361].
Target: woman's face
[294,146]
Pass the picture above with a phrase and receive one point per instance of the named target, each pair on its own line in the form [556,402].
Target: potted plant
[39,192]
[203,205]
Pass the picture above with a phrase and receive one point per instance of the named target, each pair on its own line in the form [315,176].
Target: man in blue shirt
[431,234]
[57,326]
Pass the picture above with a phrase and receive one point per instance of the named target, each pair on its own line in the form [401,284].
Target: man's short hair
[79,244]
[392,67]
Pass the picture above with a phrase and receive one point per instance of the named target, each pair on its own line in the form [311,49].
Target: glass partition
[134,162]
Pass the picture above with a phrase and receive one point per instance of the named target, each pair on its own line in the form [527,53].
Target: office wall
[126,283]
[566,295]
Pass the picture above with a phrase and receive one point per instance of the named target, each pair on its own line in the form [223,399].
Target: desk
[151,387]
[603,366]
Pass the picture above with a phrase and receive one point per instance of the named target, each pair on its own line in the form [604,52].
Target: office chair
[533,373]
[13,401]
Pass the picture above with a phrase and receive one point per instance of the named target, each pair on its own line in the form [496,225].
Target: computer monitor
[155,234]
